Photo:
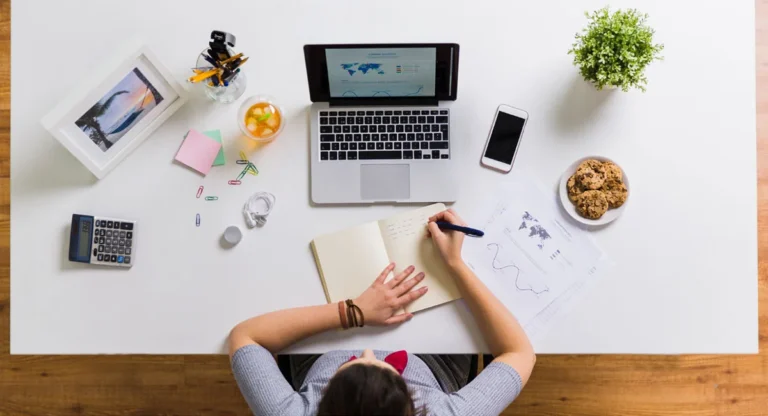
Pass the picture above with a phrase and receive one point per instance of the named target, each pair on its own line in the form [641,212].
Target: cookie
[593,164]
[591,204]
[612,172]
[574,189]
[590,174]
[615,193]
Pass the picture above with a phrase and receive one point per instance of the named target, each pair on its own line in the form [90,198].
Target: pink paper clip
[234,182]
[199,191]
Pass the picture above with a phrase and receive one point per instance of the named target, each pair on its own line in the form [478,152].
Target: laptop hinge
[391,102]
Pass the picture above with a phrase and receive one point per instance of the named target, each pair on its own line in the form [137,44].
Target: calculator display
[84,243]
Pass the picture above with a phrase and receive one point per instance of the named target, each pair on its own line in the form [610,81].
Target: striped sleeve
[263,385]
[488,394]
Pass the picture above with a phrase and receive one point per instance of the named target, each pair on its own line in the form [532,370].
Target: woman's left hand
[381,301]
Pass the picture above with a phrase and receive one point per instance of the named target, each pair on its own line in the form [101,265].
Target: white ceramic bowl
[610,215]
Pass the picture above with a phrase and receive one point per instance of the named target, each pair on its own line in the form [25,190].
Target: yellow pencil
[205,75]
[240,63]
[226,61]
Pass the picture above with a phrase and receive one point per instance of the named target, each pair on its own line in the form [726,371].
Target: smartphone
[504,138]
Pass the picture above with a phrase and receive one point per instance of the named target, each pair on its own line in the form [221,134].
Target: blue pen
[444,225]
[210,61]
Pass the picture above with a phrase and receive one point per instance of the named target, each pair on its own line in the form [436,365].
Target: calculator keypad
[113,242]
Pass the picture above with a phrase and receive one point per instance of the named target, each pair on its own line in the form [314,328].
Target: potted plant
[615,48]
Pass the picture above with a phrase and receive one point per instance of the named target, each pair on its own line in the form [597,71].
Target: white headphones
[253,216]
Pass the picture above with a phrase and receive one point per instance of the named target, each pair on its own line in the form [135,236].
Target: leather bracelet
[353,311]
[351,318]
[343,315]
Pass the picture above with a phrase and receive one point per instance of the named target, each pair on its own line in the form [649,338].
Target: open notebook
[350,260]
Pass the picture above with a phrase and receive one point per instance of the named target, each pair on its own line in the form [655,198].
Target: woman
[375,382]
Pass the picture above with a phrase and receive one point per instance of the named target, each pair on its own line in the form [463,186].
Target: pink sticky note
[198,151]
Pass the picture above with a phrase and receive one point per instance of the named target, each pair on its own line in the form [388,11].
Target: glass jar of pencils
[224,90]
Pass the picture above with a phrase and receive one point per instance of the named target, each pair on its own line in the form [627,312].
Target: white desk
[686,247]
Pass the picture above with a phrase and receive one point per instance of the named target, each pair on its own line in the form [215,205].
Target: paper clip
[240,176]
[242,162]
[197,220]
[199,191]
[243,156]
[211,198]
[252,169]
[234,182]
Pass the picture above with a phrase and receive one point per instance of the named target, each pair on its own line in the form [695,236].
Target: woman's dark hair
[363,389]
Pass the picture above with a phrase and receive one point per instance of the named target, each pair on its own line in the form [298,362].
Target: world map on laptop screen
[381,72]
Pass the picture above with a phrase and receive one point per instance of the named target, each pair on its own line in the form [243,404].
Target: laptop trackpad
[385,182]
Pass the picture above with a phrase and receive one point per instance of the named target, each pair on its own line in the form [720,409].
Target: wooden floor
[561,385]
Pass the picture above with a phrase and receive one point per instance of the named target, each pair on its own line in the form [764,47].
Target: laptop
[378,131]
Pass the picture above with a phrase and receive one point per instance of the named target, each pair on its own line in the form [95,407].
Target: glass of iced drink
[260,118]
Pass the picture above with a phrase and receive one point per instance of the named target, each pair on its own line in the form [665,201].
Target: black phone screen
[504,138]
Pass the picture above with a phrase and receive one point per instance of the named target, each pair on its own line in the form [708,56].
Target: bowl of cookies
[594,190]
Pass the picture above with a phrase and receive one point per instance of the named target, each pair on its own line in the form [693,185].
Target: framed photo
[103,120]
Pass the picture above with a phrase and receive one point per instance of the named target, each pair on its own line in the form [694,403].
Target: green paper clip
[211,198]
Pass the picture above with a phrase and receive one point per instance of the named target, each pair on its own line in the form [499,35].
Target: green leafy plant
[615,48]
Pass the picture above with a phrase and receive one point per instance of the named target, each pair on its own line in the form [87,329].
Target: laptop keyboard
[388,134]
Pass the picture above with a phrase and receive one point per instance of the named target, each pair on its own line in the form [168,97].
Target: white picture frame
[116,108]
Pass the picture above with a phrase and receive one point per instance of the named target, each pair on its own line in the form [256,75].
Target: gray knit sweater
[268,393]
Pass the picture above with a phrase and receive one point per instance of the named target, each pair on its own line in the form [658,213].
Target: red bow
[398,360]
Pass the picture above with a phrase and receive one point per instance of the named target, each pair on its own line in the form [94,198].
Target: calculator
[100,240]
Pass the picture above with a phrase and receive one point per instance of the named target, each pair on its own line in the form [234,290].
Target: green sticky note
[216,135]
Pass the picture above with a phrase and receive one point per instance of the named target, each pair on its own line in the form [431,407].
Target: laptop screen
[381,72]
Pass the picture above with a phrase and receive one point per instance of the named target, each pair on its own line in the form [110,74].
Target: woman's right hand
[448,242]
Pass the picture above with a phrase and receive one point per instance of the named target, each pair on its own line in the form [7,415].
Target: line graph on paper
[509,268]
[530,256]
